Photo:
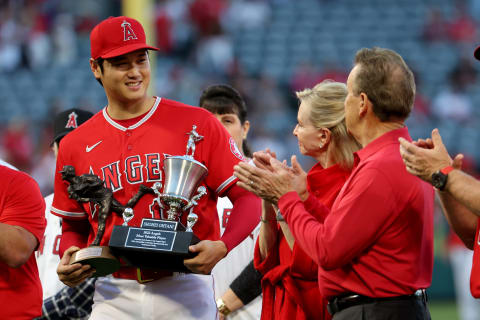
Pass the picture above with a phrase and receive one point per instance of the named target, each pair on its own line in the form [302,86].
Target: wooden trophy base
[99,257]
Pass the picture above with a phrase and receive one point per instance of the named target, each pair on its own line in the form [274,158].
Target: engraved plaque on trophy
[163,243]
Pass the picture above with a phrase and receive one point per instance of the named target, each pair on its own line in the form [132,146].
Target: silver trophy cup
[183,176]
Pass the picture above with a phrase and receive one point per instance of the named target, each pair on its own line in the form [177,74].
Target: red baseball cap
[116,36]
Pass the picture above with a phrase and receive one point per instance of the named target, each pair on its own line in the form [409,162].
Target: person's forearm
[268,229]
[465,189]
[16,245]
[231,300]
[460,218]
[287,234]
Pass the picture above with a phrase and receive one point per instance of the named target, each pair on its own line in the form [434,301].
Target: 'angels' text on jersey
[133,169]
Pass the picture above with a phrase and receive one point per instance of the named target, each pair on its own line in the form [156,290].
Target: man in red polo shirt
[375,246]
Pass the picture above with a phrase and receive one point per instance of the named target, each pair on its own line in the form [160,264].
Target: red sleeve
[244,217]
[74,233]
[316,208]
[23,204]
[325,242]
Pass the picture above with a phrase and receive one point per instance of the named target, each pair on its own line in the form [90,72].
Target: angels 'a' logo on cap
[235,150]
[72,121]
[128,33]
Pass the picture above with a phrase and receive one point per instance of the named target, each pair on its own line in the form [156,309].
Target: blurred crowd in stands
[204,42]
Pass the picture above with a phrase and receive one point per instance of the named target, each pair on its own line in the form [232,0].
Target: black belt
[339,303]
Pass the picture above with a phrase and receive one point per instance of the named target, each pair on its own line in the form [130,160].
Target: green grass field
[443,310]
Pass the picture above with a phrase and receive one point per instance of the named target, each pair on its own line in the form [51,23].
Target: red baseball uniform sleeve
[74,233]
[244,217]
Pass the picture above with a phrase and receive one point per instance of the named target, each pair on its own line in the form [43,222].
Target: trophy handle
[201,191]
[157,189]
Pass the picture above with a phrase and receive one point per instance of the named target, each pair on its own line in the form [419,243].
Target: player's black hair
[223,99]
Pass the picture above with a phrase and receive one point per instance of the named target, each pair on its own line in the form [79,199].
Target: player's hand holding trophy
[158,243]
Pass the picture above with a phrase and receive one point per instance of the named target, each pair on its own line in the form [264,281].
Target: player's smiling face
[126,77]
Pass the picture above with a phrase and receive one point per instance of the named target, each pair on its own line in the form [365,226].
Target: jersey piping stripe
[6,164]
[67,213]
[136,125]
[229,180]
[224,184]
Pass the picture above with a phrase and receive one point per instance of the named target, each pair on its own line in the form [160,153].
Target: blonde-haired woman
[290,287]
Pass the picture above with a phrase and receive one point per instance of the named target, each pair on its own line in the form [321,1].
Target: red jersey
[289,285]
[377,240]
[126,157]
[21,204]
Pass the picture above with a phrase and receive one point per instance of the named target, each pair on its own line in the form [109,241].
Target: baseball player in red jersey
[125,144]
